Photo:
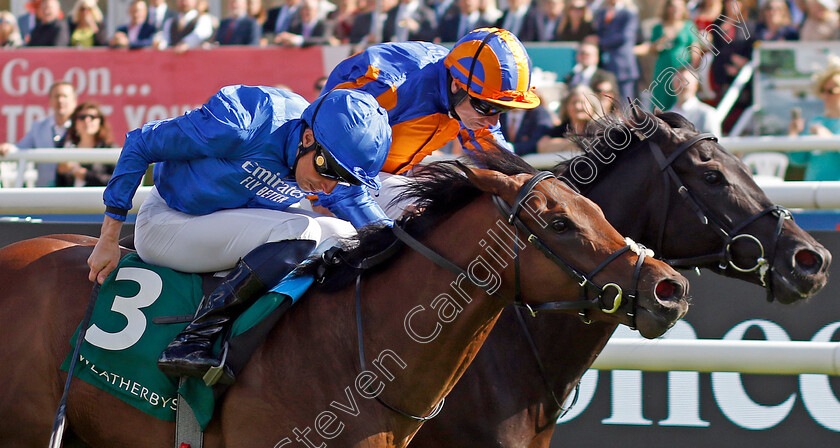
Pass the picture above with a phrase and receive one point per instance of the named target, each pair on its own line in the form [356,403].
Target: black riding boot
[190,354]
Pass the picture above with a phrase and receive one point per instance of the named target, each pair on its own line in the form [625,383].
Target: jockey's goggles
[486,108]
[326,166]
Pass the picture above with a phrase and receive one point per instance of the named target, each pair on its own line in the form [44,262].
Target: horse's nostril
[807,261]
[667,289]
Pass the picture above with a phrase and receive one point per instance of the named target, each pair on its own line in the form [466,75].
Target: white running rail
[713,355]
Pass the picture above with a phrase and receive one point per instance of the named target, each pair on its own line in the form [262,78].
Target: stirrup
[215,373]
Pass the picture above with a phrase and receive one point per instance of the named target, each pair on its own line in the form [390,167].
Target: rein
[724,258]
[541,367]
[437,408]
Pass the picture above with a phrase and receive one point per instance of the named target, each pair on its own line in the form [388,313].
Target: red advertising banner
[143,85]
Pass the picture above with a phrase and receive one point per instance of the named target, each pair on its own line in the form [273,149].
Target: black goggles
[487,108]
[326,166]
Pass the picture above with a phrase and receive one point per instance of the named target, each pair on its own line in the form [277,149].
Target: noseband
[729,234]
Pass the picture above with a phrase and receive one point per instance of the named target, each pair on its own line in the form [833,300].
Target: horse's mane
[597,135]
[438,189]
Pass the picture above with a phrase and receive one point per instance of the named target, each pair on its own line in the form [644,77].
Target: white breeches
[216,241]
[392,185]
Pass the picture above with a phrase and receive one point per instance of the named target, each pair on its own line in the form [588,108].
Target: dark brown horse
[504,400]
[420,324]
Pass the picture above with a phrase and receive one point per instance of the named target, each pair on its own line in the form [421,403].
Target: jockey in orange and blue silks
[434,95]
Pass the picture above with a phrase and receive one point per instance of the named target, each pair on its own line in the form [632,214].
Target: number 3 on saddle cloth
[120,351]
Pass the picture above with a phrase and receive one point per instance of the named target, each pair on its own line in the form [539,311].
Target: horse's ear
[644,124]
[490,181]
[463,167]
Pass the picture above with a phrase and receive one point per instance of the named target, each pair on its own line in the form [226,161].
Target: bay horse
[417,324]
[512,397]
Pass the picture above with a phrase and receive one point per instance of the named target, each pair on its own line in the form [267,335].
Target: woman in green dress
[670,39]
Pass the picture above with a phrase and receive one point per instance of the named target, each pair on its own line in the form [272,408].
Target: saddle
[242,346]
[121,359]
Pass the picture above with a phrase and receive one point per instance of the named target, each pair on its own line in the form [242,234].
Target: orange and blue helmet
[491,64]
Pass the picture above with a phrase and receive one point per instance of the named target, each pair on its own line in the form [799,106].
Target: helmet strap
[454,98]
[302,150]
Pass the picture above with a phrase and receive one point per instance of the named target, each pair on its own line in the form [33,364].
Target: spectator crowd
[624,48]
[189,23]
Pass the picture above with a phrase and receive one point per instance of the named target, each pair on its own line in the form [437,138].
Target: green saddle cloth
[122,344]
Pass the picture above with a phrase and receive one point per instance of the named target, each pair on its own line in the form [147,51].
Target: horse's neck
[407,307]
[506,383]
[416,342]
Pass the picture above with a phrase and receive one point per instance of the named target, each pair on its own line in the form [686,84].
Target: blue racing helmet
[353,129]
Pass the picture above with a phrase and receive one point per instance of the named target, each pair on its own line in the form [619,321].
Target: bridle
[511,213]
[585,280]
[729,234]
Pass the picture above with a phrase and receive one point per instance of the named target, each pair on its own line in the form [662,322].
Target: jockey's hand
[322,210]
[106,254]
[412,209]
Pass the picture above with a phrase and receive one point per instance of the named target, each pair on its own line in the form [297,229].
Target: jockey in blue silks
[226,175]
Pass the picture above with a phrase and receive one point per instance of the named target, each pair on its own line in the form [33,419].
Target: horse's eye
[560,225]
[712,177]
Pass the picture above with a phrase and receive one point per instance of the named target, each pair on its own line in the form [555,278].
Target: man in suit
[48,132]
[551,14]
[307,28]
[51,30]
[523,128]
[522,18]
[586,70]
[364,29]
[616,25]
[189,29]
[238,28]
[138,32]
[159,13]
[461,18]
[278,19]
[410,20]
[28,20]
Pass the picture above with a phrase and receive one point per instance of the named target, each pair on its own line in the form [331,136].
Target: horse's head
[576,259]
[710,213]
